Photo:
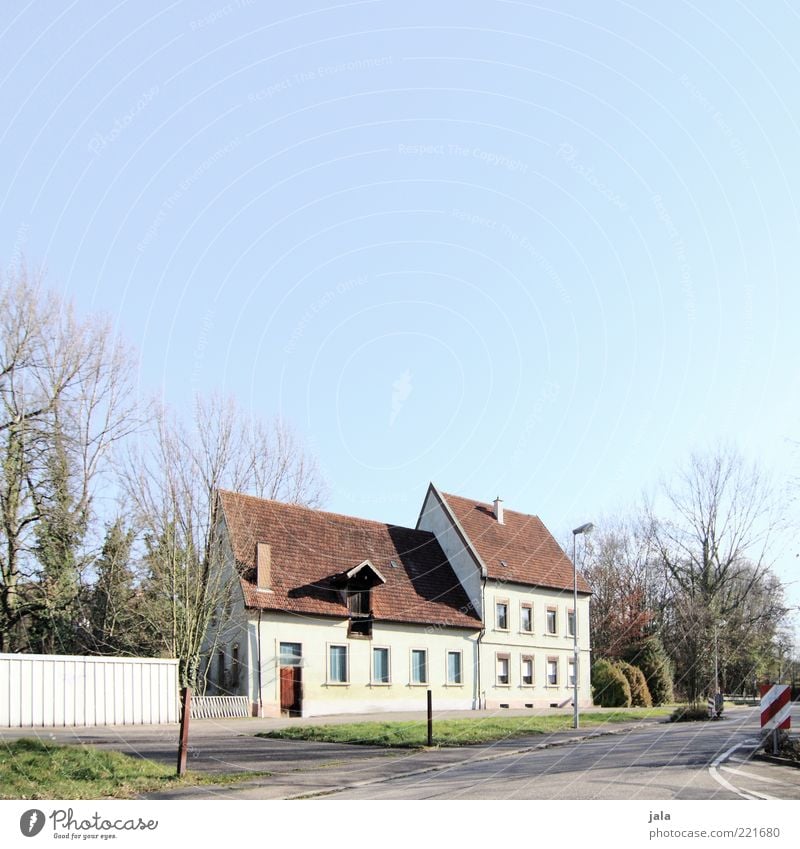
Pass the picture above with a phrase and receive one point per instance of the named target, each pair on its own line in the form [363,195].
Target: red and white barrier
[776,707]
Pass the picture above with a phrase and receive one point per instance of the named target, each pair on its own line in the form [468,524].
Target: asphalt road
[648,761]
[657,762]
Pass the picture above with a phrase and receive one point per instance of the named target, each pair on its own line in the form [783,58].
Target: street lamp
[721,623]
[583,529]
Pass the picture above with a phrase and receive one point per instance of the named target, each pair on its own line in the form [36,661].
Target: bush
[610,687]
[640,693]
[689,713]
[650,657]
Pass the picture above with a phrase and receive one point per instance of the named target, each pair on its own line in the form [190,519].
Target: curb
[776,759]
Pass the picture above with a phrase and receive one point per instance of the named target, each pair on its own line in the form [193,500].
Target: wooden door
[290,690]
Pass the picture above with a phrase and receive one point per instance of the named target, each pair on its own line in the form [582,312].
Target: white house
[336,614]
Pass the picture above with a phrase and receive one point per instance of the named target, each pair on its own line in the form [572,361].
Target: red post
[183,746]
[430,718]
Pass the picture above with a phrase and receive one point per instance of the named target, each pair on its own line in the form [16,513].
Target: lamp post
[583,529]
[721,623]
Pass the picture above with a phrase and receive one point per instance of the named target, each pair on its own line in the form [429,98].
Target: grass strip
[33,769]
[453,732]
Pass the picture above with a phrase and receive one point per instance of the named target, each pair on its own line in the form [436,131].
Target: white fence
[219,707]
[61,690]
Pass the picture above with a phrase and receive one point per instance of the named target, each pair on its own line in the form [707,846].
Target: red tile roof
[531,554]
[309,547]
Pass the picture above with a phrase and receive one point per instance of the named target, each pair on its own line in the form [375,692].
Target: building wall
[434,518]
[65,690]
[361,694]
[538,644]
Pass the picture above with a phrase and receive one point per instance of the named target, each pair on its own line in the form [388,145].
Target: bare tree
[65,399]
[174,480]
[713,550]
[619,564]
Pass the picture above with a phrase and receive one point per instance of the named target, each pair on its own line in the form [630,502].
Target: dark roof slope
[309,547]
[531,554]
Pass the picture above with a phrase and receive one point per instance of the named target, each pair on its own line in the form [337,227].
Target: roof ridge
[488,504]
[329,513]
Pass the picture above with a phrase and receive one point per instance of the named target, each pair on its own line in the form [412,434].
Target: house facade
[336,614]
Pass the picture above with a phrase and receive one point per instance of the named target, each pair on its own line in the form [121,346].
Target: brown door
[290,690]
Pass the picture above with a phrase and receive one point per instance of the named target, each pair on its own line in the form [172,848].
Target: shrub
[609,686]
[640,693]
[650,657]
[689,713]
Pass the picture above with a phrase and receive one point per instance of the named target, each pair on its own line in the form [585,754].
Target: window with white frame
[527,671]
[526,618]
[502,670]
[337,665]
[380,666]
[571,622]
[419,666]
[501,615]
[454,667]
[552,671]
[552,620]
[571,673]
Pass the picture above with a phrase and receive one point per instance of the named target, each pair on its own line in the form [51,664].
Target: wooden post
[183,745]
[430,718]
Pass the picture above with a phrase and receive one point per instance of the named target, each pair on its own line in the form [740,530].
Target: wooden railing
[219,707]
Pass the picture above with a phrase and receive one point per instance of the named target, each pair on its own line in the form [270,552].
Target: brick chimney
[263,567]
[498,510]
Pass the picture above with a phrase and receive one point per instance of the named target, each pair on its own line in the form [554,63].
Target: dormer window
[356,587]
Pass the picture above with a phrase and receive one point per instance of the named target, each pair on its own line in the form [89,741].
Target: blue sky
[536,250]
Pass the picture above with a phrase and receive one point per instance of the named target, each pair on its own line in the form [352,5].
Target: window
[359,605]
[380,666]
[571,673]
[571,623]
[527,671]
[337,668]
[419,666]
[235,666]
[291,654]
[454,667]
[525,618]
[552,671]
[502,670]
[501,615]
[552,622]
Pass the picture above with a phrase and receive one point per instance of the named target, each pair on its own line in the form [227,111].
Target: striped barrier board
[776,707]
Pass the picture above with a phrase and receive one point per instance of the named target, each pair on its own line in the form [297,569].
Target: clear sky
[535,250]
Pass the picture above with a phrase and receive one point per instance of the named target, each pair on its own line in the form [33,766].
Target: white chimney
[498,510]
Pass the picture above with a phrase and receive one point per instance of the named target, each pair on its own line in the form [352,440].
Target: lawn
[454,732]
[31,769]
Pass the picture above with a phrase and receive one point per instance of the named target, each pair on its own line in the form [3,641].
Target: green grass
[31,769]
[453,732]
